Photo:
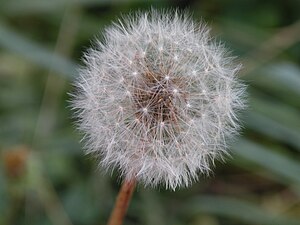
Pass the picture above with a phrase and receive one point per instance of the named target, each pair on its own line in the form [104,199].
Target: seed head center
[155,99]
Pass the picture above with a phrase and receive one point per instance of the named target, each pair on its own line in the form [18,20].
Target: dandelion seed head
[158,99]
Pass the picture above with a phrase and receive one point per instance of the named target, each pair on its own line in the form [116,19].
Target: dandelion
[158,99]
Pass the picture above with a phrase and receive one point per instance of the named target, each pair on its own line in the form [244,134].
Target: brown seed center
[157,99]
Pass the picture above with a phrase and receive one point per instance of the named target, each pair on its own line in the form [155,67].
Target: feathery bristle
[158,99]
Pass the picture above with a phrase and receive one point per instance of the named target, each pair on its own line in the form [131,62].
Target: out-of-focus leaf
[38,182]
[278,164]
[78,193]
[282,113]
[15,42]
[242,34]
[16,127]
[281,79]
[234,208]
[286,74]
[4,196]
[42,6]
[274,119]
[153,212]
[272,128]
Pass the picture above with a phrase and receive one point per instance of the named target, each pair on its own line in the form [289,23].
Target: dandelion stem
[122,202]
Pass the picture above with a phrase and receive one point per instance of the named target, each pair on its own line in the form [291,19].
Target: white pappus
[158,99]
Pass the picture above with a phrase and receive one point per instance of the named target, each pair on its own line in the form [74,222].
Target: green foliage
[45,177]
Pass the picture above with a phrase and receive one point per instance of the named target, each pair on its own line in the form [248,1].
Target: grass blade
[15,42]
[238,209]
[277,163]
[272,128]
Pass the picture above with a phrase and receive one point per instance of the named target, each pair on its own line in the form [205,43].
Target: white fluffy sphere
[157,99]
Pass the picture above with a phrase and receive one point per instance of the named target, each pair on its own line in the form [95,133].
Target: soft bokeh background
[45,177]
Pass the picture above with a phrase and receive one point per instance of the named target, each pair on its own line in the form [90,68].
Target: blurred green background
[45,177]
